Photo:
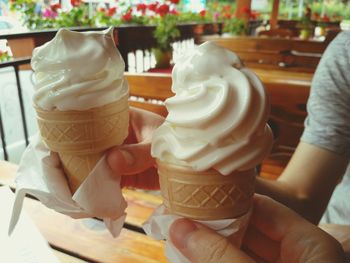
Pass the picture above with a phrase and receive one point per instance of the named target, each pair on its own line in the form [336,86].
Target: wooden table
[73,242]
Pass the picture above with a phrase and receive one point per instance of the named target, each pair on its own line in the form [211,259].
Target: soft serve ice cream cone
[214,136]
[81,99]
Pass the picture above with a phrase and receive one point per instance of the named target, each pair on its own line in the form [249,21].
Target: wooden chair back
[149,90]
[276,53]
[277,32]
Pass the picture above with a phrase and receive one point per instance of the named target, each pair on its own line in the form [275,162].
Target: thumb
[201,244]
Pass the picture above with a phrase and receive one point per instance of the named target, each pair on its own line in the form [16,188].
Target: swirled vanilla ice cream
[214,135]
[81,98]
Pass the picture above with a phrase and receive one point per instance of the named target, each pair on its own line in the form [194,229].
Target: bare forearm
[285,194]
[308,181]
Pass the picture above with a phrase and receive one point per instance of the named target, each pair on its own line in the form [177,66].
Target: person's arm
[308,181]
[321,157]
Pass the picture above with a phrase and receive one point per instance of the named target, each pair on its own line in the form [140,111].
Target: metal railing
[15,64]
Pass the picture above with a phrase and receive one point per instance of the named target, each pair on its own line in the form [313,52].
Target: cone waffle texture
[81,137]
[206,195]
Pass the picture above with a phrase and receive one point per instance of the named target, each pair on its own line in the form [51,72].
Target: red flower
[75,2]
[163,10]
[203,13]
[175,1]
[128,16]
[55,7]
[246,10]
[316,16]
[326,18]
[142,8]
[174,12]
[111,11]
[153,7]
[254,15]
[227,15]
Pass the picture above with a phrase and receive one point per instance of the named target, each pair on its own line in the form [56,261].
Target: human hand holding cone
[81,137]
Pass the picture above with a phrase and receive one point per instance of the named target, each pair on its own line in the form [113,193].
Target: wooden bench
[275,53]
[150,86]
[277,32]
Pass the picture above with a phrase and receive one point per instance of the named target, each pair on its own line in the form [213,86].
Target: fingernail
[129,159]
[180,231]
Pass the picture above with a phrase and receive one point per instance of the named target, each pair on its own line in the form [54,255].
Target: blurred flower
[174,12]
[153,7]
[4,56]
[216,16]
[254,15]
[75,2]
[142,8]
[48,13]
[203,13]
[246,10]
[111,11]
[127,17]
[315,16]
[326,18]
[163,10]
[250,14]
[227,15]
[175,1]
[55,7]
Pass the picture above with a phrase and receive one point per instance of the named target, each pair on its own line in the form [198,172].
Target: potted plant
[237,22]
[165,33]
[322,24]
[306,25]
[235,26]
[4,56]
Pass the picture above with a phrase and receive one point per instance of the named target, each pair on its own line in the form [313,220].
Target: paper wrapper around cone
[206,195]
[81,137]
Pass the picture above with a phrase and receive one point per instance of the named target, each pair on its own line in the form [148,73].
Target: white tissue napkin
[40,175]
[157,226]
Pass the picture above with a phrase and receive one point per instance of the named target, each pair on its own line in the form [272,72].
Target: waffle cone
[81,137]
[206,195]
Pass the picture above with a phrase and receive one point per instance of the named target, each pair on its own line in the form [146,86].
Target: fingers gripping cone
[206,195]
[81,137]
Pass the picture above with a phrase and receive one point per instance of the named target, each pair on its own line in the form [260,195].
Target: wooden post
[240,4]
[274,14]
